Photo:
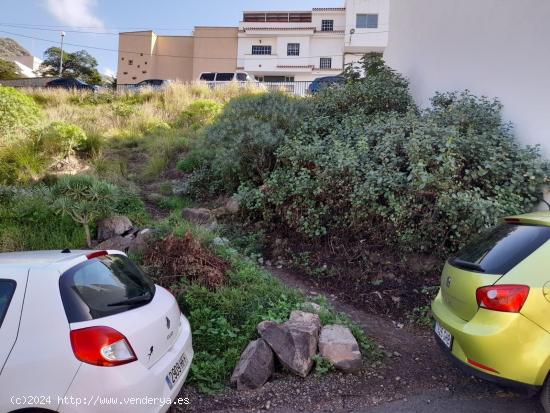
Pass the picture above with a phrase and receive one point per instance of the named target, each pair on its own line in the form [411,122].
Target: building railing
[297,88]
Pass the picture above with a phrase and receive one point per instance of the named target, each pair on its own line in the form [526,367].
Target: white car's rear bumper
[131,387]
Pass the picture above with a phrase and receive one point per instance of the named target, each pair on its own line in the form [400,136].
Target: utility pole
[61,55]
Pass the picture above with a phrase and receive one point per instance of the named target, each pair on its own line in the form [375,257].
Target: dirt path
[414,377]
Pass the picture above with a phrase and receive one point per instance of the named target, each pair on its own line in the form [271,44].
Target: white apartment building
[279,46]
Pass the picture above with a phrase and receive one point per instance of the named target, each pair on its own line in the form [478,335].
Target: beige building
[146,55]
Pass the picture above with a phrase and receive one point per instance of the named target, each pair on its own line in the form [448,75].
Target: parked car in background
[223,78]
[323,82]
[154,83]
[492,311]
[71,83]
[85,327]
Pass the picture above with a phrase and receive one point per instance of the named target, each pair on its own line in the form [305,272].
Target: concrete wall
[497,48]
[144,55]
[215,50]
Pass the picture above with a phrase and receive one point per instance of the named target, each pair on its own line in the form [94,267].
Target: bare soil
[413,365]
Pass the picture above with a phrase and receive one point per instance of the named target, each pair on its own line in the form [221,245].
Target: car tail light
[96,254]
[101,346]
[506,298]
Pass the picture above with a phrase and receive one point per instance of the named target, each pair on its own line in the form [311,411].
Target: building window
[134,78]
[139,66]
[145,62]
[144,71]
[293,49]
[124,73]
[141,54]
[121,58]
[261,49]
[327,25]
[367,21]
[130,62]
[325,63]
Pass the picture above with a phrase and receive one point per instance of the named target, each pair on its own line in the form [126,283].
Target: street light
[61,55]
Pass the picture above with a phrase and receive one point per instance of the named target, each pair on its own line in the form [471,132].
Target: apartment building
[300,46]
[146,55]
[273,46]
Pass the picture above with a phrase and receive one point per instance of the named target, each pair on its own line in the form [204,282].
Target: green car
[493,309]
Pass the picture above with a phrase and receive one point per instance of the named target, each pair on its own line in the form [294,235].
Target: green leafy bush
[27,222]
[21,163]
[19,115]
[61,139]
[421,181]
[200,113]
[240,146]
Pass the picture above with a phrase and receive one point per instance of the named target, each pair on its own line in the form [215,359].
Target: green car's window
[502,248]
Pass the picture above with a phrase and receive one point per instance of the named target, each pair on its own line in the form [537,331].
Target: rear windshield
[241,77]
[501,248]
[7,288]
[102,287]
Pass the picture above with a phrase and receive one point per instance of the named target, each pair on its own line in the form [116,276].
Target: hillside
[10,48]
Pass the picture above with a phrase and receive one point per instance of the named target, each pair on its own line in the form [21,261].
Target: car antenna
[66,251]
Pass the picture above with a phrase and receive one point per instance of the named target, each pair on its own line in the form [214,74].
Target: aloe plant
[84,198]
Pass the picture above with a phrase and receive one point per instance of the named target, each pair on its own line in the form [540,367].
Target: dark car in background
[71,83]
[322,82]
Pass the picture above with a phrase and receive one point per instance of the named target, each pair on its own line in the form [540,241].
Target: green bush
[19,115]
[200,113]
[240,146]
[27,222]
[420,181]
[85,199]
[61,139]
[22,163]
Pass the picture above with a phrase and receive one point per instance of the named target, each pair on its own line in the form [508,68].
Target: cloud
[75,13]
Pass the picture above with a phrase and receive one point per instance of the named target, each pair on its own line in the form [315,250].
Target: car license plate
[176,371]
[444,335]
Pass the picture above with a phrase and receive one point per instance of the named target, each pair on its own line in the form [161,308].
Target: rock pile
[118,233]
[295,343]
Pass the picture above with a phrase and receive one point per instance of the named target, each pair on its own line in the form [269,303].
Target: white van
[222,78]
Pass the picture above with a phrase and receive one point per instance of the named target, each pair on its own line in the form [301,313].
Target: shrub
[21,163]
[61,139]
[200,113]
[421,181]
[28,223]
[84,199]
[241,144]
[19,114]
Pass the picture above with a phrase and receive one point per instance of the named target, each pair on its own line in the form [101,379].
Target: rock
[337,345]
[311,307]
[118,243]
[294,342]
[110,227]
[199,216]
[233,205]
[255,366]
[140,243]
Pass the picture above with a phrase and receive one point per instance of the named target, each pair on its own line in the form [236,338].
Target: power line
[130,34]
[262,57]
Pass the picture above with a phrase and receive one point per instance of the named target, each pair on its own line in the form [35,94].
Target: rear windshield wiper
[467,265]
[140,299]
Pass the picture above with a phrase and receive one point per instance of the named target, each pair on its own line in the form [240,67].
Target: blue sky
[44,19]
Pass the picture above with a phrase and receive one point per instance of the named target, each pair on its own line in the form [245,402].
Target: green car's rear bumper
[516,348]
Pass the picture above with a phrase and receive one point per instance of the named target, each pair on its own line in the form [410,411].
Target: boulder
[337,345]
[233,205]
[118,243]
[255,367]
[295,341]
[199,216]
[110,227]
[140,243]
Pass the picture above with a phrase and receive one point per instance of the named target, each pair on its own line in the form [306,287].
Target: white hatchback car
[87,331]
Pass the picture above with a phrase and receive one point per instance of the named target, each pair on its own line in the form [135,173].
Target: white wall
[375,39]
[497,48]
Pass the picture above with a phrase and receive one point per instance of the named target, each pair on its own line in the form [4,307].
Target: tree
[79,64]
[84,198]
[8,70]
